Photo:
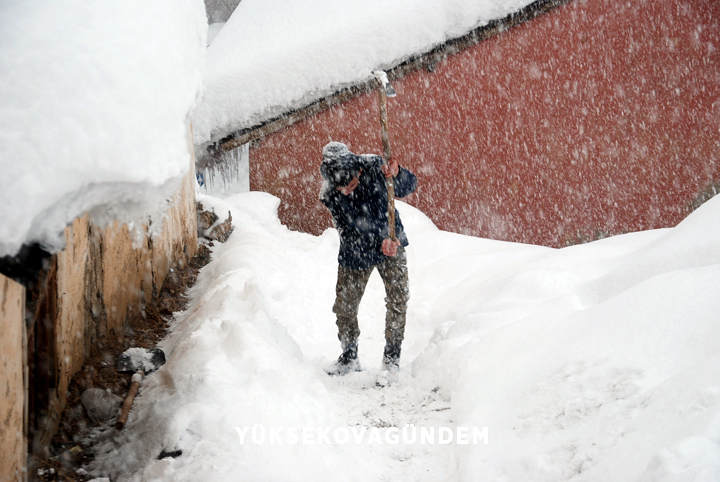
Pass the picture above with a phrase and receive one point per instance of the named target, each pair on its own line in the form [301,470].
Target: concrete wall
[12,381]
[599,117]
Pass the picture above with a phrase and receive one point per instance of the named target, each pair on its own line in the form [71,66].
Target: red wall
[600,116]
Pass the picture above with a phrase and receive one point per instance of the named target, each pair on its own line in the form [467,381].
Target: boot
[347,362]
[389,373]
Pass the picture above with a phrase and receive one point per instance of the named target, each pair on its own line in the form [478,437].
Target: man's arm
[405,182]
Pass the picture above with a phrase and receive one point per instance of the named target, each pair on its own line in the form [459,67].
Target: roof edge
[427,60]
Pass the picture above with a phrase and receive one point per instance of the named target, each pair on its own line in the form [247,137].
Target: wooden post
[13,383]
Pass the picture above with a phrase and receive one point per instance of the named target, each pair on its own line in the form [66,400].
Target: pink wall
[598,116]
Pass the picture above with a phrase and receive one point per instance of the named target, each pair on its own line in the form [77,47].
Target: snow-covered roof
[276,55]
[94,98]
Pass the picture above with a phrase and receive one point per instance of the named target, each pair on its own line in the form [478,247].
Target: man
[355,193]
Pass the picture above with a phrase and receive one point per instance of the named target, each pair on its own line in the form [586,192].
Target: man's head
[339,166]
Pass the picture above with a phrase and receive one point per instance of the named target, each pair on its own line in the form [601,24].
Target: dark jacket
[361,218]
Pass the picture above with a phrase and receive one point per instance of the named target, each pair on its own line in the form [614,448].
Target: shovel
[137,361]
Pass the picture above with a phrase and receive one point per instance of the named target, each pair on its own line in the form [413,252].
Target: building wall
[102,278]
[599,117]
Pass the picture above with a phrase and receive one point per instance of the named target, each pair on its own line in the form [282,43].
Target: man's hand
[390,246]
[390,170]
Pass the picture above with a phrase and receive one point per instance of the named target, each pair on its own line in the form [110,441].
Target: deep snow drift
[598,362]
[94,100]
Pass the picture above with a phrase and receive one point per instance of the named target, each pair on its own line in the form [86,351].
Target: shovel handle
[387,155]
[128,403]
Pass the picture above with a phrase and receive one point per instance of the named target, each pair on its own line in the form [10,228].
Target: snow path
[592,363]
[253,346]
[301,295]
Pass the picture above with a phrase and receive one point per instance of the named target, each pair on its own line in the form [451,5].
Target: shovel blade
[134,359]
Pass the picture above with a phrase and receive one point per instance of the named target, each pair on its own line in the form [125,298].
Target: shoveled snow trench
[596,362]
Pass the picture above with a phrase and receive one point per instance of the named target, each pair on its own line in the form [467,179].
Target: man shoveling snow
[355,194]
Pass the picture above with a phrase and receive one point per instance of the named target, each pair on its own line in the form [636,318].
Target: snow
[274,55]
[229,177]
[595,362]
[94,103]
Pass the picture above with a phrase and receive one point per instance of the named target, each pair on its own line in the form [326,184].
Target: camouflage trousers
[349,291]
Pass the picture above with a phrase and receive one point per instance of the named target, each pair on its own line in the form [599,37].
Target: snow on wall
[94,102]
[273,55]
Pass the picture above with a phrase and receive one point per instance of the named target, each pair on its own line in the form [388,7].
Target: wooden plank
[13,406]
